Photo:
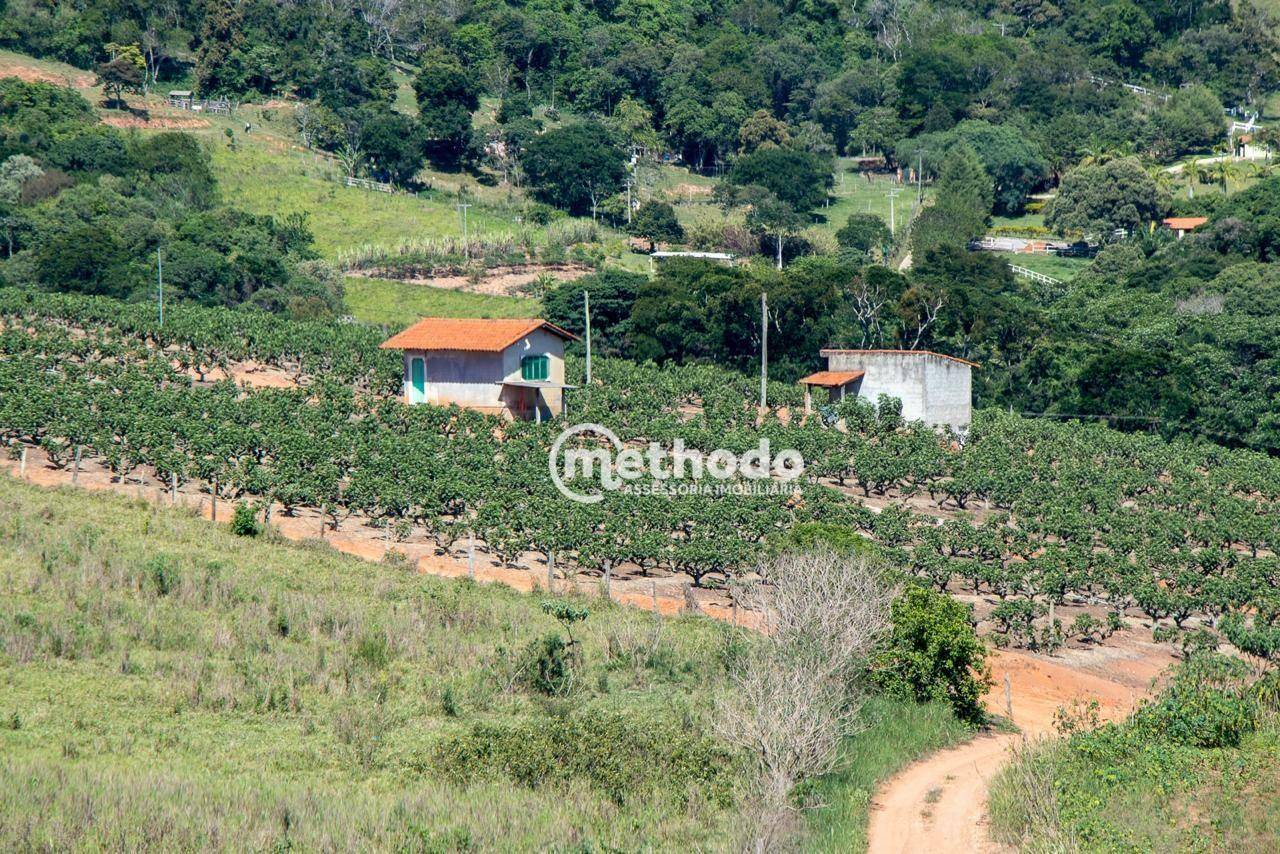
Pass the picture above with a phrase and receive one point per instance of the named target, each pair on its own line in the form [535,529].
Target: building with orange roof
[933,388]
[1180,225]
[509,367]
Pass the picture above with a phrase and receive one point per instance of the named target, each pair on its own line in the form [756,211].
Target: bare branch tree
[797,695]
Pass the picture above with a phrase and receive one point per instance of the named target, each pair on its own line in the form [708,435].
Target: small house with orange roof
[1180,225]
[933,388]
[508,367]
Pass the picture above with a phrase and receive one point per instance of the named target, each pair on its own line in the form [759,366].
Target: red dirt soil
[939,804]
[154,123]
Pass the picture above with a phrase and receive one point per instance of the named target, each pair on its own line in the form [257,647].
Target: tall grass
[423,256]
[898,732]
[189,689]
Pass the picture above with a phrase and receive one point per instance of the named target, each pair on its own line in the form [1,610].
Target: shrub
[1206,705]
[244,522]
[548,666]
[161,571]
[933,653]
[621,754]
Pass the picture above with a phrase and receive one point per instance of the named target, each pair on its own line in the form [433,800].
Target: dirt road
[939,804]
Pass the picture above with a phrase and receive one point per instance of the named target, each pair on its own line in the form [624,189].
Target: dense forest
[684,77]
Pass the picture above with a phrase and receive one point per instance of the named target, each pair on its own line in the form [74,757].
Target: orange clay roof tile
[470,334]
[831,379]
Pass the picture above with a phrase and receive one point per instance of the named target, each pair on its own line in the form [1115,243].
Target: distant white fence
[1034,276]
[367,184]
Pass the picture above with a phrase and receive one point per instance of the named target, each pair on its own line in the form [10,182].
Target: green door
[418,375]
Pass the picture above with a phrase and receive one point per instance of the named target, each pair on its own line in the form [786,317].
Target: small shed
[836,383]
[180,98]
[933,388]
[513,368]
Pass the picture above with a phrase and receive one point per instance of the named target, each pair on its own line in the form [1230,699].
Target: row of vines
[1028,514]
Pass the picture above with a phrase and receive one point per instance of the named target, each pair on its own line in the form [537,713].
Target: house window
[535,368]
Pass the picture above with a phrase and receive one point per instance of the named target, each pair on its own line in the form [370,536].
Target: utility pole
[764,350]
[466,247]
[628,183]
[586,310]
[160,281]
[919,177]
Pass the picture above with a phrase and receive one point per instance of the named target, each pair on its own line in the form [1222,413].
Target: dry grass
[193,690]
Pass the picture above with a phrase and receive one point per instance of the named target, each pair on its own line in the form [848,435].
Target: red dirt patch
[154,123]
[35,75]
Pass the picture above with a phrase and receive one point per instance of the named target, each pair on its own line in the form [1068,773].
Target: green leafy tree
[799,179]
[864,232]
[447,96]
[1118,194]
[775,218]
[933,653]
[124,72]
[574,167]
[656,221]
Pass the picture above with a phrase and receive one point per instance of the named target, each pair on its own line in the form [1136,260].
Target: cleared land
[383,301]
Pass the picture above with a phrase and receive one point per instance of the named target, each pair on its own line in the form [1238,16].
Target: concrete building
[933,388]
[513,368]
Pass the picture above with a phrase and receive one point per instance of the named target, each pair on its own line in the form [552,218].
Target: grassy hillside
[395,304]
[171,678]
[1196,769]
[162,680]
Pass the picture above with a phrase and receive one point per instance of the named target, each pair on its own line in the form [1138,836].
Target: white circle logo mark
[583,461]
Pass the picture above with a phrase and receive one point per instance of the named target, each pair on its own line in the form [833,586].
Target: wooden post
[1008,698]
[586,311]
[471,557]
[22,464]
[734,597]
[1051,634]
[551,570]
[75,472]
[386,540]
[608,578]
[322,523]
[213,507]
[653,590]
[764,341]
[173,488]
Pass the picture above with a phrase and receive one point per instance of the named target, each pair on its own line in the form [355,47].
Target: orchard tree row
[1026,512]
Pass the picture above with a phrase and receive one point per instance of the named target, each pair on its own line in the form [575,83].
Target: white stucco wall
[475,380]
[932,388]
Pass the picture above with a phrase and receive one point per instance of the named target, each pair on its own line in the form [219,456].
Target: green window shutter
[535,368]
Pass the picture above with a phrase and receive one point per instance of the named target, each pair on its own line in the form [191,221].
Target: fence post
[22,464]
[653,590]
[213,508]
[690,602]
[322,523]
[471,557]
[551,570]
[75,472]
[173,488]
[1008,698]
[608,578]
